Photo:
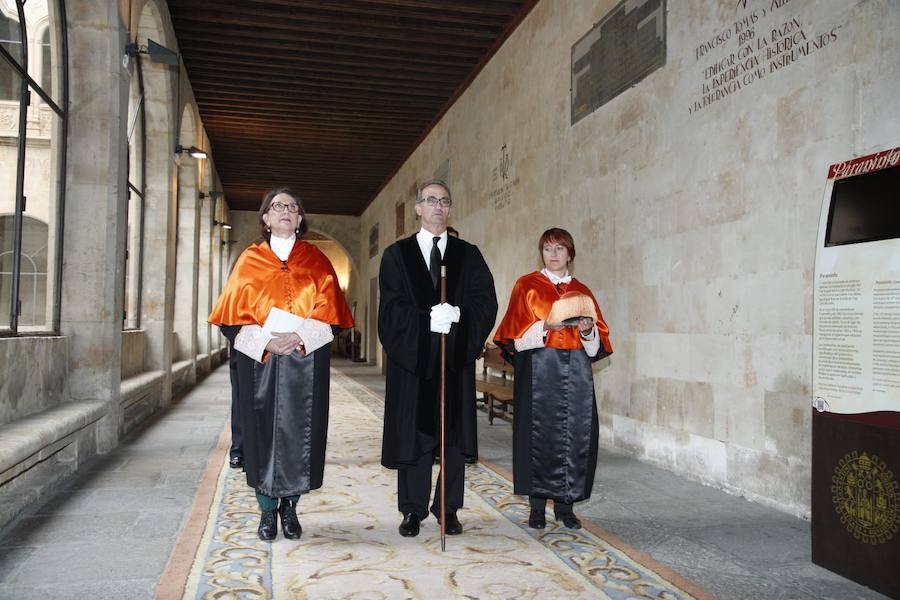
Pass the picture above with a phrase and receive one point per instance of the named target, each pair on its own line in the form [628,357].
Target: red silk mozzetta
[305,285]
[530,302]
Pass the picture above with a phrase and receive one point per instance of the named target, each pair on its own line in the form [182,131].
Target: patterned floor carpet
[351,549]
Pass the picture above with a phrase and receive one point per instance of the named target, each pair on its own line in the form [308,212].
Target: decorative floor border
[237,563]
[609,568]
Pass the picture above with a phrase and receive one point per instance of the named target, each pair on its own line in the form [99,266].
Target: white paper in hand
[281,321]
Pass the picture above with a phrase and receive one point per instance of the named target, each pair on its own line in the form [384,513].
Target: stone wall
[693,198]
[34,375]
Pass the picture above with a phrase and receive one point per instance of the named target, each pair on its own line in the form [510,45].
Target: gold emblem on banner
[866,497]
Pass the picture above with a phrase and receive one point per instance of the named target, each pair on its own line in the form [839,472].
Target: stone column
[204,279]
[95,216]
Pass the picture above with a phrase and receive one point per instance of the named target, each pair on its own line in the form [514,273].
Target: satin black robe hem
[555,426]
[284,417]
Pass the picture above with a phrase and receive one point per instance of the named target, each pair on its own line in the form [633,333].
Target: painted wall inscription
[763,39]
[503,180]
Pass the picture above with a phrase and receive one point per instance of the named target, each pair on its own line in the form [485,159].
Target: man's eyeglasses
[443,201]
[279,207]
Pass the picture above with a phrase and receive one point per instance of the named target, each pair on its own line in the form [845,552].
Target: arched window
[46,62]
[32,269]
[11,40]
[33,166]
[134,250]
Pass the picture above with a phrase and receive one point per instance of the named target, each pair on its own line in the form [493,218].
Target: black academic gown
[411,396]
[284,419]
[555,429]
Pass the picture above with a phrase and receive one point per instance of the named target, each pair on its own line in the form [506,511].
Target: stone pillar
[186,270]
[159,225]
[95,217]
[204,280]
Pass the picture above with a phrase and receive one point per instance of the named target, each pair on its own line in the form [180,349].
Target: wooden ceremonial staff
[443,410]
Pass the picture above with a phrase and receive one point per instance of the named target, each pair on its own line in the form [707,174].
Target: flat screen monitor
[865,208]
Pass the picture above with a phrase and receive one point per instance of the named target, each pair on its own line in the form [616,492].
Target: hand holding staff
[442,413]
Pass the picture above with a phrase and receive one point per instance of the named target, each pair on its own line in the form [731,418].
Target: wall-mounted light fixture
[224,225]
[212,194]
[193,151]
[157,52]
[228,242]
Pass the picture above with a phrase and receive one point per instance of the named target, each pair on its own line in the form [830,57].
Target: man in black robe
[411,320]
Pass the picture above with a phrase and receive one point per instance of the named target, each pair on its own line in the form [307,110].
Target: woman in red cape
[555,429]
[283,380]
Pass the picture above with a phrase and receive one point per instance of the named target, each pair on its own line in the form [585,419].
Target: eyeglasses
[279,207]
[443,201]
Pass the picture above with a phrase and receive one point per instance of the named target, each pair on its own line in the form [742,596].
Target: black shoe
[537,519]
[568,519]
[236,462]
[290,525]
[268,525]
[410,525]
[453,527]
[471,460]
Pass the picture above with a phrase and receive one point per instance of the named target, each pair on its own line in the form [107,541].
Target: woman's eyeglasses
[279,207]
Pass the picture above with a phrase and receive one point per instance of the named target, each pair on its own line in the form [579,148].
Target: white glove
[443,316]
[445,312]
[438,327]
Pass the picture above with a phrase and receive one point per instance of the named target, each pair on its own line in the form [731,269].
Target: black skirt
[284,418]
[555,428]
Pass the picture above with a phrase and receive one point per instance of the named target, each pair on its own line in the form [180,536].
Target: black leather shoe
[569,520]
[410,525]
[453,527]
[290,524]
[470,460]
[268,525]
[537,519]
[236,462]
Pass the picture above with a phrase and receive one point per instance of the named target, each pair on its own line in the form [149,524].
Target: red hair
[557,235]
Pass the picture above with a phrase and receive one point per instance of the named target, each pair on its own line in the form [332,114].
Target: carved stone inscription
[764,38]
[503,180]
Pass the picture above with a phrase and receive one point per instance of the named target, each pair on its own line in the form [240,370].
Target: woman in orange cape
[282,377]
[555,429]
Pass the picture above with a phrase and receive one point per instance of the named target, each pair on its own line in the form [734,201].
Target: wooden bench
[495,388]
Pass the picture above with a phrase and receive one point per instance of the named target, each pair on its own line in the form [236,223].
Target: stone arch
[344,264]
[159,185]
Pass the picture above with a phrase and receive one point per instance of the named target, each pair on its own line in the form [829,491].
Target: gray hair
[439,182]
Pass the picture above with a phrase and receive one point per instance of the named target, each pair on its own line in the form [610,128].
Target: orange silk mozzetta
[530,302]
[305,285]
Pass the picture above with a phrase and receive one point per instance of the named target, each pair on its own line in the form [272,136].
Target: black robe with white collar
[413,374]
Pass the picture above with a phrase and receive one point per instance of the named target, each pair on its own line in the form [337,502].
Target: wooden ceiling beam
[296,43]
[256,15]
[288,46]
[450,16]
[319,94]
[210,19]
[352,74]
[298,115]
[212,79]
[298,101]
[394,64]
[325,130]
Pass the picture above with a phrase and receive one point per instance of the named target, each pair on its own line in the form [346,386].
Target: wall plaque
[373,241]
[628,44]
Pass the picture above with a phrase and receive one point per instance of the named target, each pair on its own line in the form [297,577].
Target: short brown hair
[557,235]
[267,203]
